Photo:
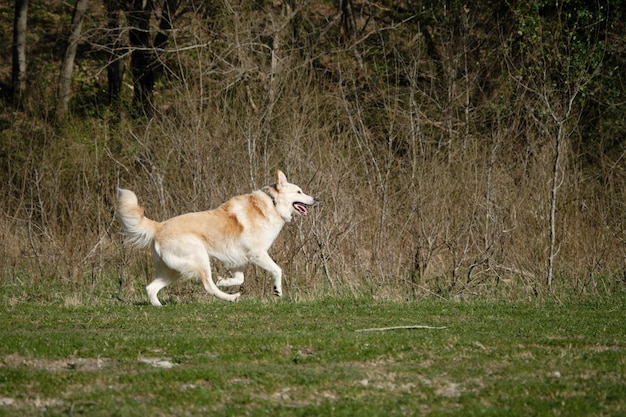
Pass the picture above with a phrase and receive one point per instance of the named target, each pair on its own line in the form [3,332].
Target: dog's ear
[281,180]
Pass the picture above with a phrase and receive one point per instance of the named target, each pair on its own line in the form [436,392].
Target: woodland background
[459,148]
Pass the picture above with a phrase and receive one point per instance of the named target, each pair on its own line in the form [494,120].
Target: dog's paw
[235,297]
[278,292]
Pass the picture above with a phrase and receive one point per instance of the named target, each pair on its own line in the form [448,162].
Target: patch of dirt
[158,362]
[6,402]
[449,389]
[38,403]
[81,364]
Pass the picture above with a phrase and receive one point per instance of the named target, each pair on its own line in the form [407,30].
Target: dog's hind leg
[164,277]
[154,287]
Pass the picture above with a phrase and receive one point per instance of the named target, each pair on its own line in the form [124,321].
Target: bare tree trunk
[114,66]
[141,56]
[18,74]
[273,76]
[67,66]
[556,180]
[145,61]
[347,18]
[348,26]
[165,25]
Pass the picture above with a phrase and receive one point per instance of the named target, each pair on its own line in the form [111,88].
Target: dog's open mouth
[301,208]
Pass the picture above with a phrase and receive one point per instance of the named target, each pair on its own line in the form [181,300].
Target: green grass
[260,357]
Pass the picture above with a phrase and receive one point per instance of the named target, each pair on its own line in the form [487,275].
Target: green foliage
[565,48]
[561,49]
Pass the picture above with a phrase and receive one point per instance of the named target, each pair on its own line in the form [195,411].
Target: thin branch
[383,329]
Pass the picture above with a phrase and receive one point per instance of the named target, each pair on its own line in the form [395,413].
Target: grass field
[266,357]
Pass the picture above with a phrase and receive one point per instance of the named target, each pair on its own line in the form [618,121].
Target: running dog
[238,232]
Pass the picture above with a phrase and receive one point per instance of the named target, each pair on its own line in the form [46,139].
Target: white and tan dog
[238,232]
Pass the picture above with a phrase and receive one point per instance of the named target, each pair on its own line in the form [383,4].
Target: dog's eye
[299,191]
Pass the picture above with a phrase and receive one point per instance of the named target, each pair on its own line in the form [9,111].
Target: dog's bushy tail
[139,229]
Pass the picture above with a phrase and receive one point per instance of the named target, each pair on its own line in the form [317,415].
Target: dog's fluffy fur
[236,233]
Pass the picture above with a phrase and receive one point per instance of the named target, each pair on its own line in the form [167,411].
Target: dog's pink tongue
[301,208]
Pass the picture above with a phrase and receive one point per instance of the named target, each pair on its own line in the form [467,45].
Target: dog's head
[290,198]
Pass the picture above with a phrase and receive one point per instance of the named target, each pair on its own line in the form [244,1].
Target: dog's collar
[266,190]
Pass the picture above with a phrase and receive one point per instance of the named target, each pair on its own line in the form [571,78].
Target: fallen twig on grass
[382,329]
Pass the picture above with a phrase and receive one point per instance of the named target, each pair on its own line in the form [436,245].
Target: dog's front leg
[235,279]
[264,261]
